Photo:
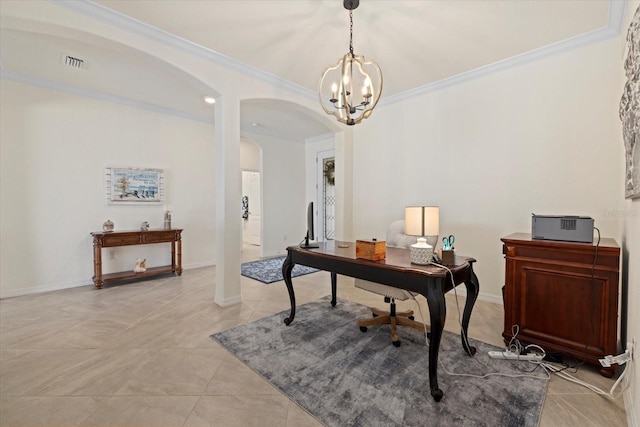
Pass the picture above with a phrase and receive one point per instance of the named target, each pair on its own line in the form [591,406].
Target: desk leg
[473,287]
[287,266]
[334,286]
[437,314]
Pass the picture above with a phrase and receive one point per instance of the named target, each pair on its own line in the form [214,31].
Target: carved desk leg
[473,287]
[437,314]
[287,266]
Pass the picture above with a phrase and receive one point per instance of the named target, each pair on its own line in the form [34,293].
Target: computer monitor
[310,233]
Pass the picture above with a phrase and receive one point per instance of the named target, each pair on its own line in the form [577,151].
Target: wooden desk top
[398,259]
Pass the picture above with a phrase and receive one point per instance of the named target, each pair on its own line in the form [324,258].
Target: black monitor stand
[307,245]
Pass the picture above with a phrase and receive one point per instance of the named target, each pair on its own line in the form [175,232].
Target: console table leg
[287,266]
[178,256]
[97,265]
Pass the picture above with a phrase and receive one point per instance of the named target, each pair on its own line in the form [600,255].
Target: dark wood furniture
[397,271]
[563,296]
[140,237]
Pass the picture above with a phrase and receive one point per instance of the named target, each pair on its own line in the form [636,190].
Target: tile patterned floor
[139,354]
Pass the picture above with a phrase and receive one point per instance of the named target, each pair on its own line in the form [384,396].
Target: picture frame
[134,186]
[630,110]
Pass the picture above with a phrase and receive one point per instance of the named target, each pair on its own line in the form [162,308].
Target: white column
[228,200]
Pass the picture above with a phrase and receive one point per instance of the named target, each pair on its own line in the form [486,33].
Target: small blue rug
[269,270]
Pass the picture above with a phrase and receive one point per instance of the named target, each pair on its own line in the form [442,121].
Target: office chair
[395,238]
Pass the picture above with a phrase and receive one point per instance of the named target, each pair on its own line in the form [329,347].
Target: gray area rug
[269,270]
[344,377]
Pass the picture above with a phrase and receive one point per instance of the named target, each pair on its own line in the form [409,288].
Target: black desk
[397,271]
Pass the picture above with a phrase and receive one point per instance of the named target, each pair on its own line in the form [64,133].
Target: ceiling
[417,43]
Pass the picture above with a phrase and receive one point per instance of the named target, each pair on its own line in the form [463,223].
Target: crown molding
[127,23]
[613,28]
[104,14]
[101,96]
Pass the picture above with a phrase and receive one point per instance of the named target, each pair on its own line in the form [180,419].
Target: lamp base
[421,252]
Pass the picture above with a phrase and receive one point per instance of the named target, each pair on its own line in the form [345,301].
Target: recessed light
[209,100]
[255,124]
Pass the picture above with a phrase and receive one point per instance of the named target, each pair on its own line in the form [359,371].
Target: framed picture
[134,186]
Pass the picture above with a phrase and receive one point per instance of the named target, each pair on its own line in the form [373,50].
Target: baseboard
[228,301]
[61,286]
[632,419]
[495,299]
[45,288]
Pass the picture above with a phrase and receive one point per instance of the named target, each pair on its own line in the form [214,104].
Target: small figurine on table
[141,265]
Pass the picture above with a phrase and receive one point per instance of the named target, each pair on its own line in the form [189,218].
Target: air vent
[73,61]
[567,224]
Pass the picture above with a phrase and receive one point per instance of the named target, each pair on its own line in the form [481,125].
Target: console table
[563,296]
[396,270]
[139,237]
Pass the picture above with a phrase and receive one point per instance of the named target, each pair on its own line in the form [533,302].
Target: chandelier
[350,89]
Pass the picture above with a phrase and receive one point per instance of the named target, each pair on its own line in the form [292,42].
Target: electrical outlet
[111,254]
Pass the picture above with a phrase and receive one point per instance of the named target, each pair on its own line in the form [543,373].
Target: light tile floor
[139,354]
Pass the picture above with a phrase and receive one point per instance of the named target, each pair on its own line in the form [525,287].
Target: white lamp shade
[422,220]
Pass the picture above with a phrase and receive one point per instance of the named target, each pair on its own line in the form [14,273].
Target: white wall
[283,193]
[54,147]
[249,156]
[542,138]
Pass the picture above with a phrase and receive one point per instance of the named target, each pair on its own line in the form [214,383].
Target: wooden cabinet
[141,237]
[563,296]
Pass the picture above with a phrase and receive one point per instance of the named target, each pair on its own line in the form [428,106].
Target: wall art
[630,110]
[134,186]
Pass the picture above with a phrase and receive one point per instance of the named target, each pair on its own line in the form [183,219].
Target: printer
[564,228]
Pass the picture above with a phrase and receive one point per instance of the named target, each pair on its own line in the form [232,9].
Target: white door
[252,224]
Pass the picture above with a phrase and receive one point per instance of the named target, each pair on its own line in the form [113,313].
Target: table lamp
[422,221]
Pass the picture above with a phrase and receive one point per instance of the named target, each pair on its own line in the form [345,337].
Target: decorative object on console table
[107,226]
[102,239]
[144,226]
[141,265]
[371,249]
[167,220]
[563,296]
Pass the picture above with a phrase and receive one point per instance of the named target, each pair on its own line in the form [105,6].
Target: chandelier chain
[351,32]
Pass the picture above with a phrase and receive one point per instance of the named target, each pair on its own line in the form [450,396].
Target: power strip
[513,356]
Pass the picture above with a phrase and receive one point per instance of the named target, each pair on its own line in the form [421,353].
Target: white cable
[610,395]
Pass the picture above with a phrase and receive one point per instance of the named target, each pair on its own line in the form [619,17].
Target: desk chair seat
[395,238]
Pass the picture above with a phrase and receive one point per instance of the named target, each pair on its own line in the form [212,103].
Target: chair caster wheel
[363,328]
[396,343]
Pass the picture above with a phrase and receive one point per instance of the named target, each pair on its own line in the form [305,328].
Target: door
[326,185]
[252,204]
